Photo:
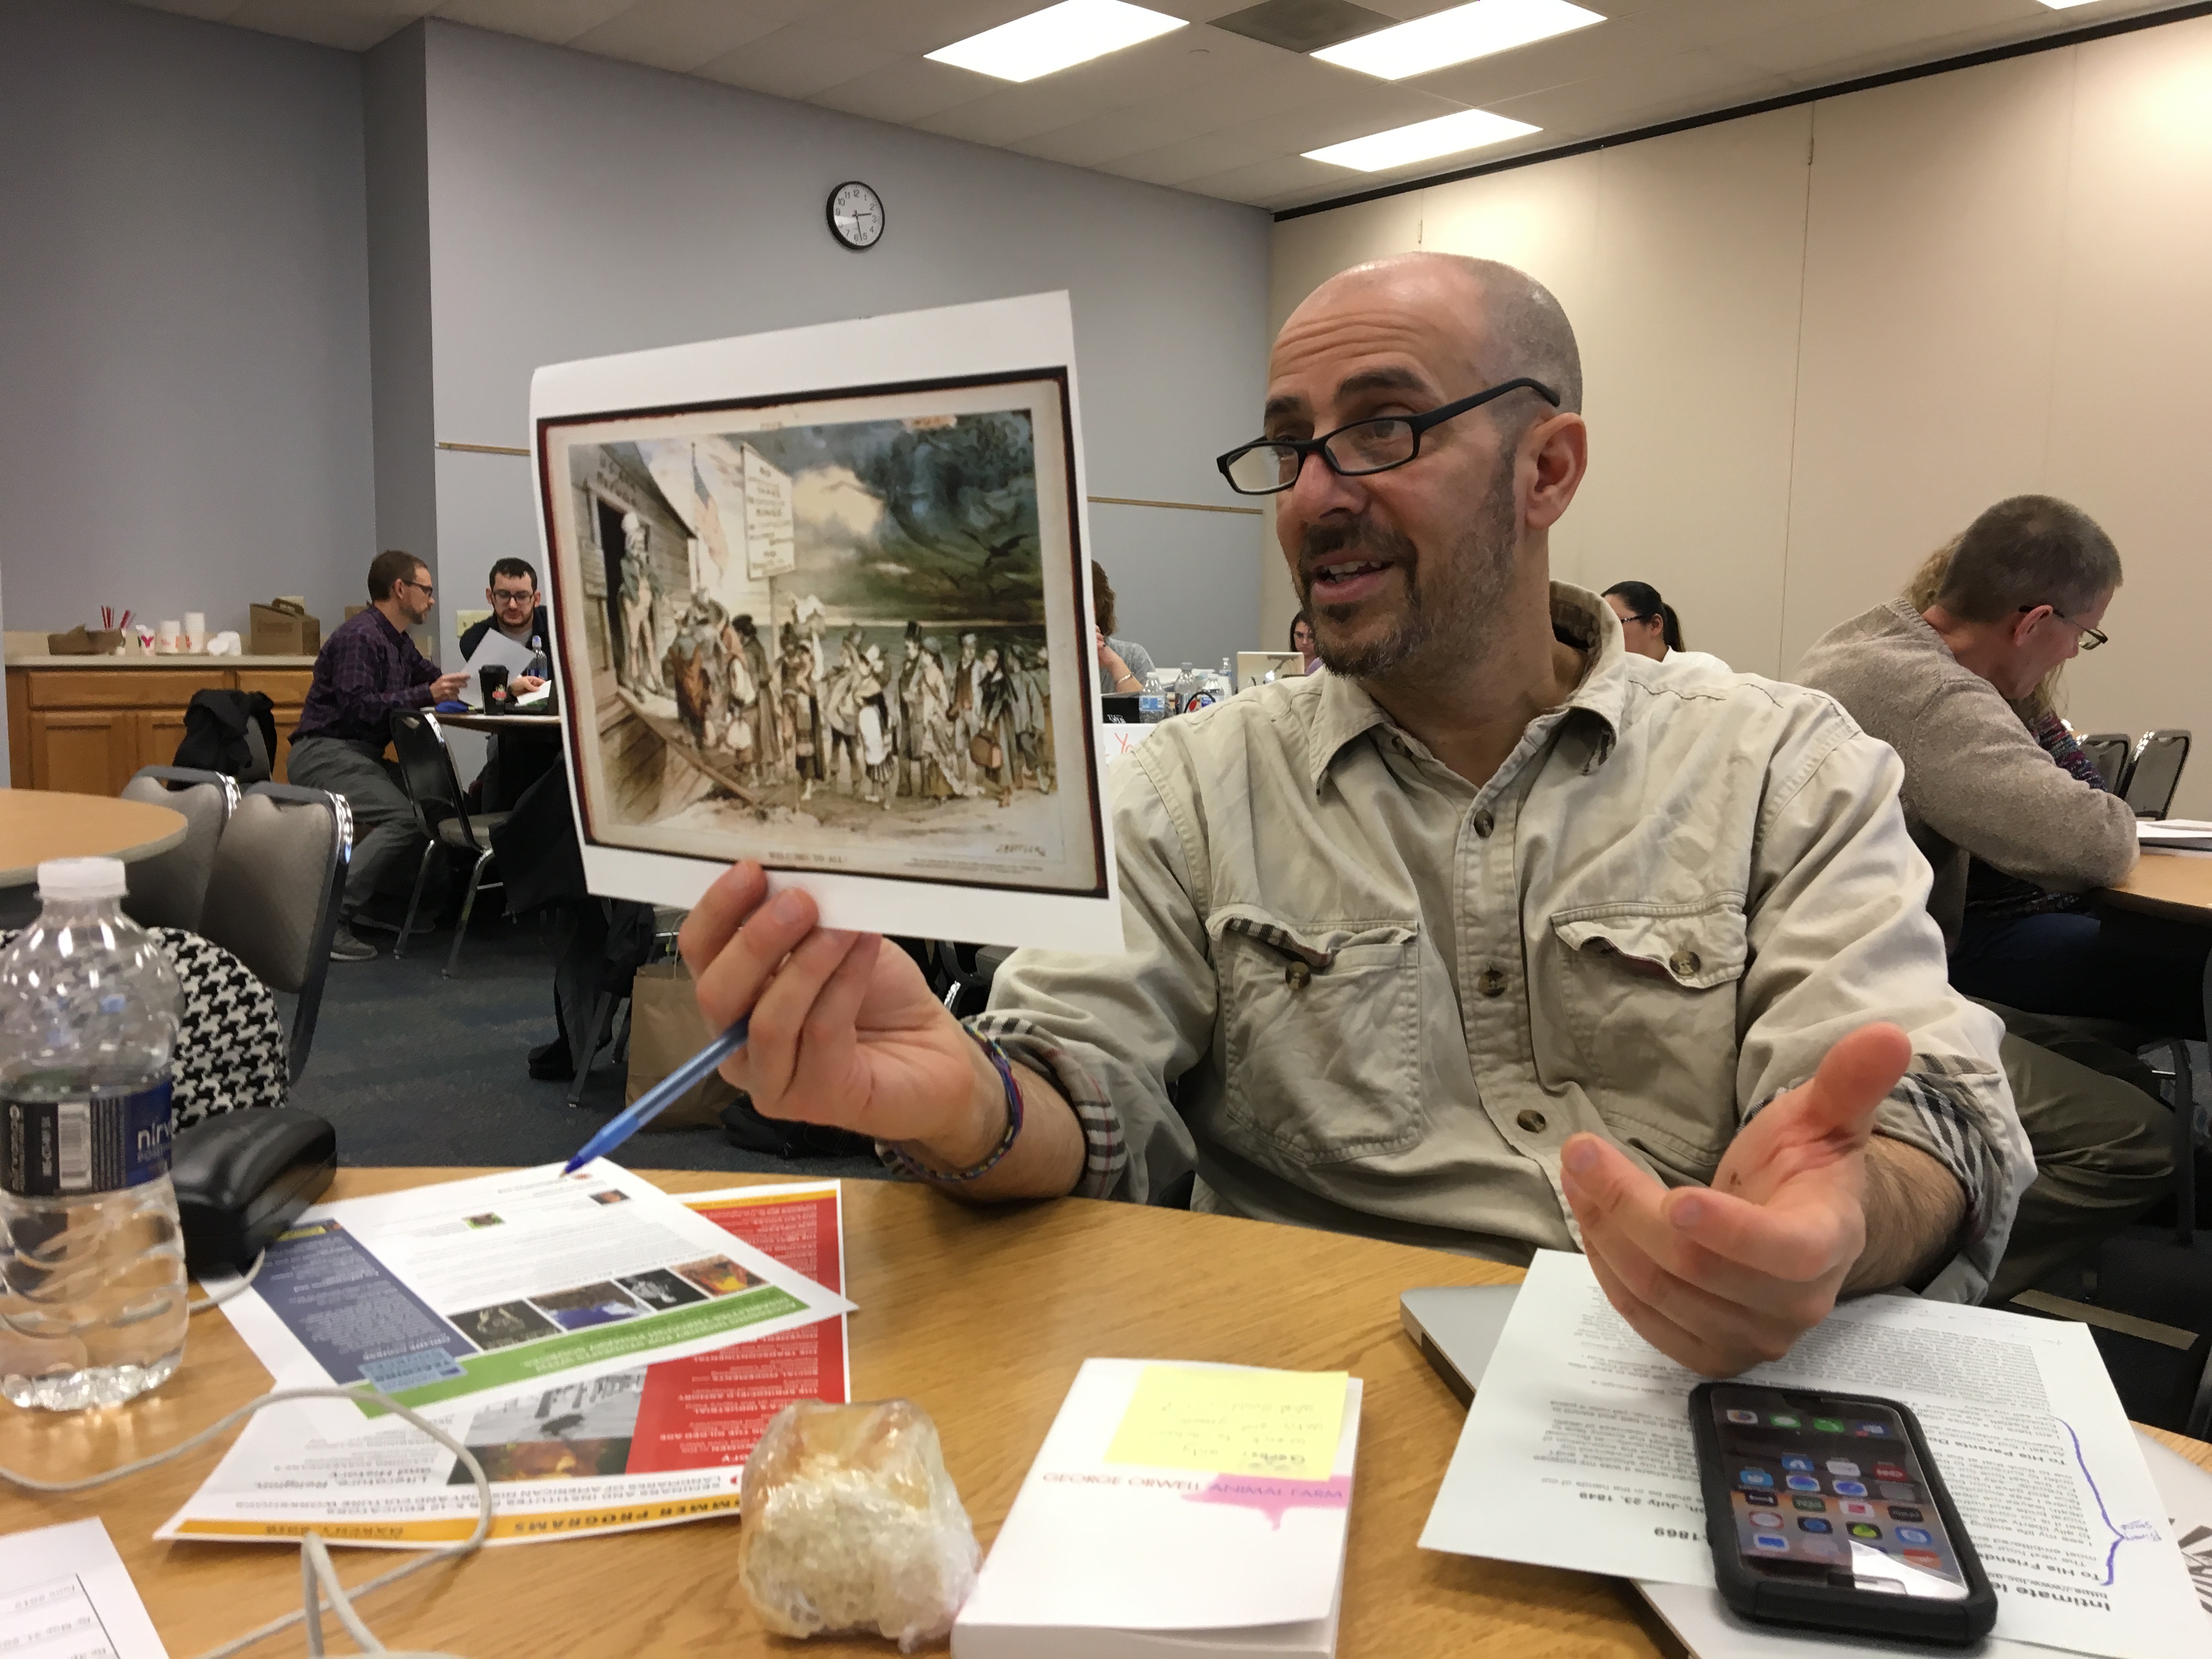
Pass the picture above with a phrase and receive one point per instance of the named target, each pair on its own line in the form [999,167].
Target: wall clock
[856,215]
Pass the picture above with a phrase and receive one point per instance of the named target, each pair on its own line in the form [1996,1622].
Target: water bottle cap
[81,878]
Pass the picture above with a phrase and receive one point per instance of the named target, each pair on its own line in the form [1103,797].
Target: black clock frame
[830,216]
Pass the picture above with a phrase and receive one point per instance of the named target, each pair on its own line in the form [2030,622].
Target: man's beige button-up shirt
[1361,993]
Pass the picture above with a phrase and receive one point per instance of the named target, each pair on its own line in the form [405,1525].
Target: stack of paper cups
[195,635]
[165,638]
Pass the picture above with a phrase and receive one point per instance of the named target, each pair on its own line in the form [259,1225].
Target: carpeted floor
[414,1068]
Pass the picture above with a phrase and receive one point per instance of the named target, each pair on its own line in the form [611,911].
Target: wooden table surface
[983,1319]
[2172,884]
[36,825]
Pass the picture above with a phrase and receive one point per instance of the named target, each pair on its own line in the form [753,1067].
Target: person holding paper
[1492,937]
[512,592]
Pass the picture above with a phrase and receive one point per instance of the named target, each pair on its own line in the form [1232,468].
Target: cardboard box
[283,632]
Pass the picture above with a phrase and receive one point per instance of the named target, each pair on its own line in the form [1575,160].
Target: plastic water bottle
[539,668]
[92,1262]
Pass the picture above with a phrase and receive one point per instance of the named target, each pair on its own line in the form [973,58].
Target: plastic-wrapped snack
[850,1523]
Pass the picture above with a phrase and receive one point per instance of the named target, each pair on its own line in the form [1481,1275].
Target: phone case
[1860,1613]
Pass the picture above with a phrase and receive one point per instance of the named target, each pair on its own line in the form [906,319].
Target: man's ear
[1559,449]
[2026,623]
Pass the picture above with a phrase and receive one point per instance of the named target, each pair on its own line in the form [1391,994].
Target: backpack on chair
[233,732]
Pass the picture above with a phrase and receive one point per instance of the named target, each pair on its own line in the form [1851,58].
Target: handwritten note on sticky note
[1233,1422]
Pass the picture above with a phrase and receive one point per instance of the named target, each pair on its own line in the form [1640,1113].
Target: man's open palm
[1722,1278]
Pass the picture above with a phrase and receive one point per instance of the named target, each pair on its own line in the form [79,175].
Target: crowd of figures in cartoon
[817,707]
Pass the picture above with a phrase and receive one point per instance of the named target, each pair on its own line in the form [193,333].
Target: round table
[497,723]
[982,1317]
[36,824]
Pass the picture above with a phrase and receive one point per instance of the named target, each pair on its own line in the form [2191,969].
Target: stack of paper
[64,1594]
[2174,835]
[588,1449]
[1577,1453]
[1176,1508]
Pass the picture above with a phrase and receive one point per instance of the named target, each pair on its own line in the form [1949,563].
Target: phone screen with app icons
[1831,1491]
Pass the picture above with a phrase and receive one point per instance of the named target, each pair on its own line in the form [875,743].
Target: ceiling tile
[554,21]
[903,26]
[208,11]
[350,24]
[795,62]
[1626,43]
[1281,183]
[1887,32]
[1215,152]
[905,91]
[1650,93]
[681,34]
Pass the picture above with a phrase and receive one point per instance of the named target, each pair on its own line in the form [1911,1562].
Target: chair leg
[582,1053]
[415,898]
[468,905]
[2184,1147]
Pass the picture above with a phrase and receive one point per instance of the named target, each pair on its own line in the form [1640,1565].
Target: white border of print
[1034,331]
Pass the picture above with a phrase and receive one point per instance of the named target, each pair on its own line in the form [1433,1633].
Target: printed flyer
[646,1447]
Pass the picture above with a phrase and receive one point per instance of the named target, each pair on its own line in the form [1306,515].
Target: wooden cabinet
[84,725]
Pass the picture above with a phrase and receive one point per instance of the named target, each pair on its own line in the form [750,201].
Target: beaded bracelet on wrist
[999,1064]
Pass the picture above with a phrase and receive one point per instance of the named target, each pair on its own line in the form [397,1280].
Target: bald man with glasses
[1493,939]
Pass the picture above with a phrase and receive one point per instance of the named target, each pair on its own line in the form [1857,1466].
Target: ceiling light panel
[1447,135]
[1446,38]
[1057,38]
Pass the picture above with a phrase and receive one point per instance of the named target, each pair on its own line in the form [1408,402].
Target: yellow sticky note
[1233,1422]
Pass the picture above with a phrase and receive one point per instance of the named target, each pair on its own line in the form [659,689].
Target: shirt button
[1492,983]
[1684,963]
[1532,1121]
[1483,823]
[1297,976]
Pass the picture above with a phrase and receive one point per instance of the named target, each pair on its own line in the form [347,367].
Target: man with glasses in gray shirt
[1492,938]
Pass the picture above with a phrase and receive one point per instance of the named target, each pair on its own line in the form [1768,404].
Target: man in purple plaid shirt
[368,668]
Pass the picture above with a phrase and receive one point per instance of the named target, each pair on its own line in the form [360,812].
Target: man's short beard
[1441,626]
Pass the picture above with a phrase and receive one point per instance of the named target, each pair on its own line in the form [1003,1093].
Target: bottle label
[102,1144]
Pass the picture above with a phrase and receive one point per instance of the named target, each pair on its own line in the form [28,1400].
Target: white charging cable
[317,1576]
[215,1299]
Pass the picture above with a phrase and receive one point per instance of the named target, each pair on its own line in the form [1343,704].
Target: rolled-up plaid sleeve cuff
[1960,1114]
[1105,1149]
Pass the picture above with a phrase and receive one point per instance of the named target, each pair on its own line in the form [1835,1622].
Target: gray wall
[183,328]
[579,206]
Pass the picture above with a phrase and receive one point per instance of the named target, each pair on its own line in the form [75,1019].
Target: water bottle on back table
[92,1262]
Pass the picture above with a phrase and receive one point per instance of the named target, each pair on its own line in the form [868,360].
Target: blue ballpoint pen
[663,1094]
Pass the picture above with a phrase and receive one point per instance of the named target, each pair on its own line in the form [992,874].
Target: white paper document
[494,650]
[506,1282]
[1710,1630]
[65,1594]
[1119,1534]
[1577,1453]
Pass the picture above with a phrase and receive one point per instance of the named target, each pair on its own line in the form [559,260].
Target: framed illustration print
[821,600]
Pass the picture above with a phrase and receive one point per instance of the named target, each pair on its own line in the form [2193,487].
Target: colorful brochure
[646,1447]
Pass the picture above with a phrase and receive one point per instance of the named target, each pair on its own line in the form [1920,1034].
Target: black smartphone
[1827,1510]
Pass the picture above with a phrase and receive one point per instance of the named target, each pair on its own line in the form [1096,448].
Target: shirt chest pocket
[1320,1035]
[1649,991]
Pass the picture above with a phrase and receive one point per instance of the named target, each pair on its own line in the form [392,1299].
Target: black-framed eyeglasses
[1272,465]
[424,588]
[502,596]
[2091,637]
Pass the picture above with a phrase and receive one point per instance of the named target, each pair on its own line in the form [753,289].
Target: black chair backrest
[2157,772]
[426,767]
[272,900]
[2111,752]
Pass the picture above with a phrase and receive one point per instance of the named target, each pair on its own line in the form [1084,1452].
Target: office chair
[2155,771]
[441,814]
[2109,752]
[272,899]
[170,890]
